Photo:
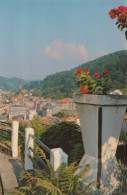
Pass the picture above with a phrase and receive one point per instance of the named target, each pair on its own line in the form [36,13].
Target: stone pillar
[57,157]
[14,139]
[29,142]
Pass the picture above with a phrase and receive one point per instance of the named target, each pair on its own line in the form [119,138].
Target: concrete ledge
[10,171]
[103,100]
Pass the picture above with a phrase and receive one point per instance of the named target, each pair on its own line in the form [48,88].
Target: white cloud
[61,51]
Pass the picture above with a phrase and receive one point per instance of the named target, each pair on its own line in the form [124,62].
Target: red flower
[112,13]
[106,71]
[83,89]
[121,17]
[96,74]
[87,71]
[120,12]
[124,12]
[121,8]
[78,71]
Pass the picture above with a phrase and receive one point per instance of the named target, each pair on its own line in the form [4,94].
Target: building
[3,118]
[67,106]
[31,114]
[17,112]
[49,109]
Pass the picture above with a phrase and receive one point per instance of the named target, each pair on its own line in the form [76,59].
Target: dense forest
[63,84]
[10,83]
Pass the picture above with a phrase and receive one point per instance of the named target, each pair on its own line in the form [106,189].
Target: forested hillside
[10,83]
[64,84]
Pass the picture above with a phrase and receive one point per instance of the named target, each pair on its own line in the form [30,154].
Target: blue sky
[42,37]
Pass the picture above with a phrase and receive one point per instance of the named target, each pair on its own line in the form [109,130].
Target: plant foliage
[63,181]
[59,114]
[66,136]
[97,85]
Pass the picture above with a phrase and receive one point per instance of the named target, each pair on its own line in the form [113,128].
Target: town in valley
[21,105]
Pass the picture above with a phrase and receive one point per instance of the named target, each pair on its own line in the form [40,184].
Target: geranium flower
[121,8]
[89,85]
[83,89]
[96,74]
[87,71]
[78,71]
[106,71]
[120,14]
[112,13]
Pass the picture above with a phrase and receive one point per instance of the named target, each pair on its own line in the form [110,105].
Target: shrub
[66,136]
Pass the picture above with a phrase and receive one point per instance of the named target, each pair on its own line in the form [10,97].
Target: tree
[66,136]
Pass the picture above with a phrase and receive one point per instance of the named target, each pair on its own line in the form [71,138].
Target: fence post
[14,139]
[57,157]
[29,141]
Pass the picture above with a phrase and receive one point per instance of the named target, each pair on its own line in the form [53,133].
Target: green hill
[63,84]
[10,83]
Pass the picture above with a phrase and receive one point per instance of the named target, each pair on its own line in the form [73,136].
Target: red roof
[65,100]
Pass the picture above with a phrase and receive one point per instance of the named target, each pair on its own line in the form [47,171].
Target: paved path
[10,171]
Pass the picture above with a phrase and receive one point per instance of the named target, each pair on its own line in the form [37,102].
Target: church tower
[20,88]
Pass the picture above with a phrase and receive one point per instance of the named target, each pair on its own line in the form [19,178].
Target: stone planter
[101,118]
[126,34]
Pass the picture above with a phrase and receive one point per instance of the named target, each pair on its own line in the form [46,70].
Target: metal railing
[40,160]
[5,123]
[56,155]
[9,131]
[44,147]
[5,130]
[40,143]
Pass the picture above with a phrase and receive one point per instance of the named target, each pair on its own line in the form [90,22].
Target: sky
[42,37]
